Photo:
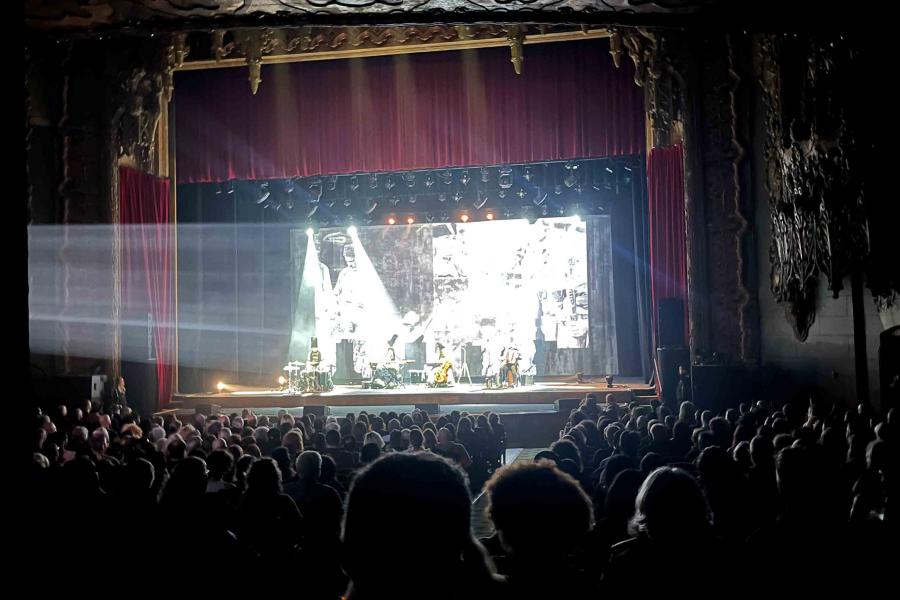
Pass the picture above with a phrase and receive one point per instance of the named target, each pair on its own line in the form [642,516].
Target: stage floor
[545,393]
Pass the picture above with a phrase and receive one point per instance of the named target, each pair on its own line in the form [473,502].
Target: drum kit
[303,378]
[386,375]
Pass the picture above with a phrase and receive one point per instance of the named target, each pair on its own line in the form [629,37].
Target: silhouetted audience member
[413,488]
[542,517]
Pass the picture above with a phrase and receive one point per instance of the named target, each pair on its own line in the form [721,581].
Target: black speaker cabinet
[889,368]
[670,323]
[668,360]
[344,372]
[567,405]
[720,387]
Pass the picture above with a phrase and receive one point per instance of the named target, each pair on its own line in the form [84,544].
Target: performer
[390,356]
[314,358]
[509,368]
[313,373]
[442,374]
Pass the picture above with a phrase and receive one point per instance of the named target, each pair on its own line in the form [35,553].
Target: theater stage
[545,392]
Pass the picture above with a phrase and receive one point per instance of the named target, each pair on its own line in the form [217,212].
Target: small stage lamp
[309,231]
[464,218]
[220,386]
[351,231]
[410,220]
[281,380]
[391,221]
[489,216]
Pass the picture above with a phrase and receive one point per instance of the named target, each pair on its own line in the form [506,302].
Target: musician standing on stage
[313,360]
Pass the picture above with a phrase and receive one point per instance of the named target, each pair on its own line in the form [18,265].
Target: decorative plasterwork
[816,141]
[83,15]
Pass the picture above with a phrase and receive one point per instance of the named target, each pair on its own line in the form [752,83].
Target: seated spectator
[369,453]
[542,517]
[319,504]
[447,447]
[329,476]
[268,520]
[416,441]
[673,533]
[221,470]
[413,488]
[344,460]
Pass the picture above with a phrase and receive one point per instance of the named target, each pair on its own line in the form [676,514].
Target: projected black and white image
[447,289]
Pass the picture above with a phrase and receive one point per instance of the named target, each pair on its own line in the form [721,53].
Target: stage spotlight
[489,216]
[410,220]
[351,231]
[220,386]
[391,221]
[464,218]
[309,231]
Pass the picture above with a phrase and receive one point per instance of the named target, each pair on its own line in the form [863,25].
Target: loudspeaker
[670,323]
[720,387]
[567,405]
[668,360]
[415,352]
[207,409]
[315,409]
[344,372]
[889,368]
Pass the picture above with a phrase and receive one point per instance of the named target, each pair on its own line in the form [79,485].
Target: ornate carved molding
[256,47]
[659,67]
[814,171]
[83,15]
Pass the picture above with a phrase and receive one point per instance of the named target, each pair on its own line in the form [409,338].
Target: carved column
[690,83]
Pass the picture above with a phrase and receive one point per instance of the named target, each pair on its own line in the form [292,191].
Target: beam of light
[382,317]
[308,302]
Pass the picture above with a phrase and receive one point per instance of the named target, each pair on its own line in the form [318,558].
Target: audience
[630,499]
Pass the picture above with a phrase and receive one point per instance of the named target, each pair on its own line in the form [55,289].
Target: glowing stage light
[351,231]
[310,232]
[489,216]
[220,386]
[410,220]
[392,221]
[281,380]
[464,218]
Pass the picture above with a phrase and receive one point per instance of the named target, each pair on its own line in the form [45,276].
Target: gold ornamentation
[516,38]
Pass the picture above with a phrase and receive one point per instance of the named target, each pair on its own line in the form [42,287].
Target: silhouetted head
[538,510]
[264,478]
[404,488]
[670,507]
[309,466]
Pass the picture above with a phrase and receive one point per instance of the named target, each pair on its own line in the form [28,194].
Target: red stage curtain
[431,110]
[147,262]
[665,191]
